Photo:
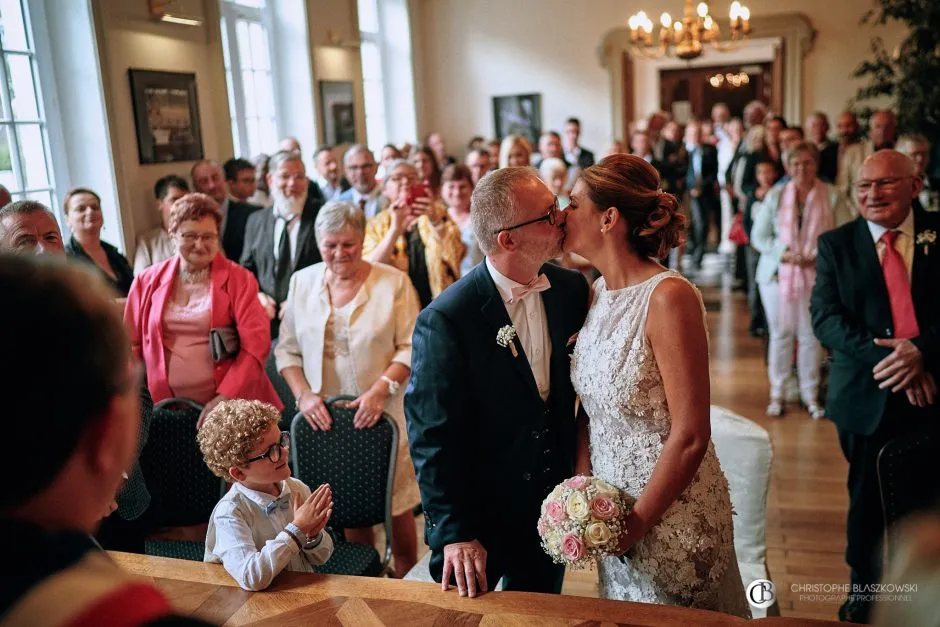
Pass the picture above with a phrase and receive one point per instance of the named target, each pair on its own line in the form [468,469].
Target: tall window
[248,76]
[372,80]
[24,144]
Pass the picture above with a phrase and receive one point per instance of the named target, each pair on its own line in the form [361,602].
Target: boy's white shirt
[251,544]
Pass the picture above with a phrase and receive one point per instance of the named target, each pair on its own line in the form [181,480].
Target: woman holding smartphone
[414,234]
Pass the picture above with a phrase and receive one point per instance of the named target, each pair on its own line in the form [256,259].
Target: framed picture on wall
[166,116]
[337,112]
[519,115]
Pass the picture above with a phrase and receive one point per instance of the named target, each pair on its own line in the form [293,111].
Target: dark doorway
[703,87]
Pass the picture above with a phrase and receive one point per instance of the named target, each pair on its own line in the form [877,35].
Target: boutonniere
[505,337]
[927,238]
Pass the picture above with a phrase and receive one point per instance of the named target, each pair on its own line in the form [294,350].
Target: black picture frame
[337,112]
[166,116]
[520,114]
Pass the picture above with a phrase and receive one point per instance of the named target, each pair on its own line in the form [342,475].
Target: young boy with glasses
[268,521]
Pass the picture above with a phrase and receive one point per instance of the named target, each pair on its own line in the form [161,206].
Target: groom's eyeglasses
[550,217]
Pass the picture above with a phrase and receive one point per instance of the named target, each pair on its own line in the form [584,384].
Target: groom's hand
[467,562]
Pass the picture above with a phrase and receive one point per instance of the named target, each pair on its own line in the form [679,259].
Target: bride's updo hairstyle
[631,185]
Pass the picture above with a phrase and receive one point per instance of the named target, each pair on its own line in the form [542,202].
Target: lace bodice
[688,557]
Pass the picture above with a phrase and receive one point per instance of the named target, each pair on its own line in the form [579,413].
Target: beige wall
[473,51]
[127,38]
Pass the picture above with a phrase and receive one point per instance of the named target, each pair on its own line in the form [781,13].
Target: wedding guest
[882,133]
[554,172]
[173,306]
[269,521]
[493,147]
[240,178]
[347,330]
[208,179]
[515,151]
[429,172]
[549,147]
[438,150]
[415,235]
[155,245]
[261,196]
[5,197]
[917,149]
[83,215]
[365,193]
[575,154]
[875,305]
[329,179]
[767,177]
[477,142]
[786,229]
[615,147]
[389,153]
[479,163]
[817,125]
[55,574]
[702,185]
[280,240]
[849,131]
[29,228]
[456,190]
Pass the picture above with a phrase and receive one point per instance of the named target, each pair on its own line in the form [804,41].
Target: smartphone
[417,190]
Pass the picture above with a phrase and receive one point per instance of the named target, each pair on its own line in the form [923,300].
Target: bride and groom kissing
[491,401]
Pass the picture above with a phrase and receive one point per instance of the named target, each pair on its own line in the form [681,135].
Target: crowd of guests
[328,273]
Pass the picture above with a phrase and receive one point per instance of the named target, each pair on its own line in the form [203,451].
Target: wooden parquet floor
[808,499]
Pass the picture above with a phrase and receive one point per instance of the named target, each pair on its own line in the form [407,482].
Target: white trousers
[782,336]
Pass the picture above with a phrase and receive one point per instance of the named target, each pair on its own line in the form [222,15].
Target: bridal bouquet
[581,521]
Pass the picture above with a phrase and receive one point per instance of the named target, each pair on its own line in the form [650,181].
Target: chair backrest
[907,467]
[282,390]
[182,488]
[744,451]
[357,463]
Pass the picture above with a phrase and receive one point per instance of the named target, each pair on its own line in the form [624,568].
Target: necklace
[199,276]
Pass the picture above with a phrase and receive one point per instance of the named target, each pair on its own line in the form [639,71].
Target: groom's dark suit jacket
[486,448]
[850,308]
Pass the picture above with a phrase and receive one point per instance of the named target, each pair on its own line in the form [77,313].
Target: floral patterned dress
[688,558]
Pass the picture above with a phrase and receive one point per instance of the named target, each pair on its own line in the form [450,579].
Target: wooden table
[208,592]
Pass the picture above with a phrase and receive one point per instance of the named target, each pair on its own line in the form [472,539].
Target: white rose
[553,543]
[597,534]
[605,489]
[556,494]
[577,506]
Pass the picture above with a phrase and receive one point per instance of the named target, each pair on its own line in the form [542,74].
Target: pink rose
[541,527]
[555,510]
[576,483]
[603,508]
[573,547]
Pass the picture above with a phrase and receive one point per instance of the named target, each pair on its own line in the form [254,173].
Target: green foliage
[5,163]
[910,74]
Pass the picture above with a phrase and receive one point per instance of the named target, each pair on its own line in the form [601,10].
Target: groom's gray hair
[494,204]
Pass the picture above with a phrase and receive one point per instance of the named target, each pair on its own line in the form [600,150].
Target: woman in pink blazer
[172,306]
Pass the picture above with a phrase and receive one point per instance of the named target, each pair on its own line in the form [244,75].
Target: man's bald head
[289,144]
[886,188]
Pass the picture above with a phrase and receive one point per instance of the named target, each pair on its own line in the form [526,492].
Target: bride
[640,367]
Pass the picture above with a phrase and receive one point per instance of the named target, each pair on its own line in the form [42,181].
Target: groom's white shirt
[531,323]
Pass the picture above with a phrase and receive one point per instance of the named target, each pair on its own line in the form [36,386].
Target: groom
[492,425]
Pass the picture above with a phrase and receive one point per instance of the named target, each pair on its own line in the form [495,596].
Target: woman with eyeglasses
[787,225]
[415,234]
[83,215]
[195,319]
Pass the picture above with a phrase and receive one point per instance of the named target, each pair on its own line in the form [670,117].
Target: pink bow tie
[539,284]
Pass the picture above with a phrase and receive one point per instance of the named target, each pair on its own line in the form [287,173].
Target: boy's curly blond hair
[231,430]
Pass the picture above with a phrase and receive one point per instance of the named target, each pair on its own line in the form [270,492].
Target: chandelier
[685,38]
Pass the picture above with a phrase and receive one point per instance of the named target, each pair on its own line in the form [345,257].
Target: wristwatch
[393,385]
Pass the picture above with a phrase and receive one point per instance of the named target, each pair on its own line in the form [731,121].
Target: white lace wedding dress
[688,558]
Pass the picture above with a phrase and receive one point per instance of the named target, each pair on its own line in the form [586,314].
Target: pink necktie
[539,284]
[899,289]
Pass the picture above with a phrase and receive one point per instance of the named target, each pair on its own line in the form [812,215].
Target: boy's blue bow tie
[282,502]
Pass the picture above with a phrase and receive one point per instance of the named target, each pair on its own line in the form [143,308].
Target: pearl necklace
[199,276]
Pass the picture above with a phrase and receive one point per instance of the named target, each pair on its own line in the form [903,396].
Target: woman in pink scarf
[787,225]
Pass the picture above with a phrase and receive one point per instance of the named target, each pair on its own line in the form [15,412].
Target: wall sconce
[335,41]
[174,12]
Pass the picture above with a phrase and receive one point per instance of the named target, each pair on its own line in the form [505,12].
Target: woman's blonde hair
[505,149]
[231,430]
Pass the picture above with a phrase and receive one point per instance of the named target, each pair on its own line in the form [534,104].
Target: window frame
[230,12]
[375,38]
